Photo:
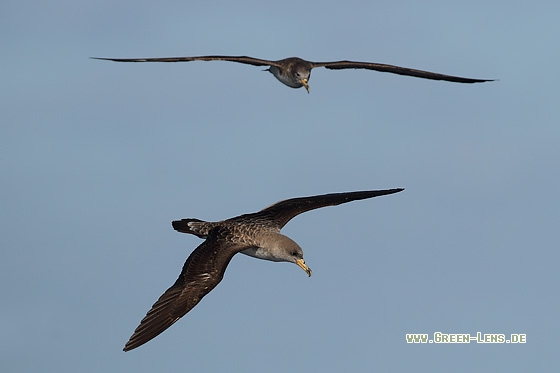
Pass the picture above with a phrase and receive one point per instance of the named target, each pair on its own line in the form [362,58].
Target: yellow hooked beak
[301,263]
[304,82]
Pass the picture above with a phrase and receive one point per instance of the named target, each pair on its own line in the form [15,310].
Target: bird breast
[260,253]
[286,79]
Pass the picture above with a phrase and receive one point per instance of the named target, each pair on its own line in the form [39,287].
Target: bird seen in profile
[256,234]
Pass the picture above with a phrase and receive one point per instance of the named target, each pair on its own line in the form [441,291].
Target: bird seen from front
[256,234]
[295,72]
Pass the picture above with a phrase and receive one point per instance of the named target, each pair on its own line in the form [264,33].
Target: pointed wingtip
[485,80]
[127,347]
[394,190]
[385,192]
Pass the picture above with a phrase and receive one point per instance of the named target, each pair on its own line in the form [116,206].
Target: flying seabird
[256,234]
[295,72]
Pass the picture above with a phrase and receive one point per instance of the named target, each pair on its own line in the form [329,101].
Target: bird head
[302,77]
[280,248]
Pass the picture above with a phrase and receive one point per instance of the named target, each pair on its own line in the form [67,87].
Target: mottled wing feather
[203,270]
[280,213]
[240,59]
[338,65]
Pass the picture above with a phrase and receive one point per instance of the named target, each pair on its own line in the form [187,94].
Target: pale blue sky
[97,158]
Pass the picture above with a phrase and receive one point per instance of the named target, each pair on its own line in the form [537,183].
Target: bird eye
[294,253]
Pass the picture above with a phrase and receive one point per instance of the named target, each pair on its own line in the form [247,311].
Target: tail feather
[183,226]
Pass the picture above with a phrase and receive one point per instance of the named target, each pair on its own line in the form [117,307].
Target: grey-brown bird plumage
[295,72]
[256,234]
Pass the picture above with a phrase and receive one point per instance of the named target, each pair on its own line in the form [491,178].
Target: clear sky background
[97,158]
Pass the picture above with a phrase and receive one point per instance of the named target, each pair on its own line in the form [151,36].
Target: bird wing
[339,65]
[240,59]
[280,213]
[203,270]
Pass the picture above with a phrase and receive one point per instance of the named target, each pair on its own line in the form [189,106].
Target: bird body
[295,72]
[256,234]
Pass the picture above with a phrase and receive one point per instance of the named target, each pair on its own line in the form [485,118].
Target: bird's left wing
[280,213]
[339,65]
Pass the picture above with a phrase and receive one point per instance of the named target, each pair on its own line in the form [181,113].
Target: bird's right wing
[240,59]
[203,270]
